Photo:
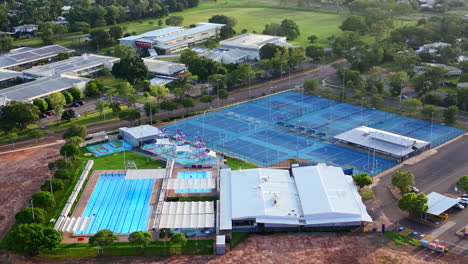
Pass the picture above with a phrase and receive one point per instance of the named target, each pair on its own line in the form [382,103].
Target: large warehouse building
[252,43]
[172,39]
[311,197]
[27,57]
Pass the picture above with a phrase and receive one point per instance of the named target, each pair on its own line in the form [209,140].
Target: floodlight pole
[50,182]
[432,122]
[32,209]
[401,92]
[250,95]
[343,90]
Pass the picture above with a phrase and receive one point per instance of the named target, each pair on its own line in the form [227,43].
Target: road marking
[439,231]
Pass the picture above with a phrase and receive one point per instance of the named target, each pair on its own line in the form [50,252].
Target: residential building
[432,47]
[27,57]
[76,66]
[306,198]
[172,39]
[27,28]
[252,43]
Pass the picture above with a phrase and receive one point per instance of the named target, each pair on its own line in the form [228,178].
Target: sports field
[294,125]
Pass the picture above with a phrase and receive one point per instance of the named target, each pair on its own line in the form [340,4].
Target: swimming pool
[193,175]
[118,204]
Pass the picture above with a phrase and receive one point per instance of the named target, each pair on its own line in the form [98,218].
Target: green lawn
[366,193]
[402,240]
[116,161]
[110,81]
[237,238]
[155,248]
[236,164]
[87,119]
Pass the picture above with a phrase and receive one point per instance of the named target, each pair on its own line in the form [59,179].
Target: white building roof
[161,81]
[206,183]
[225,55]
[162,67]
[8,75]
[201,27]
[326,192]
[187,215]
[42,87]
[391,143]
[150,35]
[315,195]
[439,203]
[255,41]
[31,55]
[71,65]
[141,131]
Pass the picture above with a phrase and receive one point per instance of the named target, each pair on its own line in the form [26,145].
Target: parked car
[464,195]
[404,97]
[50,113]
[76,115]
[458,206]
[81,102]
[43,115]
[414,189]
[76,104]
[463,201]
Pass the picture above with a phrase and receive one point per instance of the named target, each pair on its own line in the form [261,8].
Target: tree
[187,103]
[403,180]
[116,32]
[168,105]
[132,69]
[56,102]
[62,173]
[32,237]
[354,24]
[151,109]
[272,29]
[362,179]
[222,19]
[430,111]
[18,115]
[57,185]
[25,216]
[6,43]
[406,61]
[413,203]
[450,114]
[130,115]
[75,130]
[100,106]
[396,81]
[312,38]
[174,20]
[76,93]
[12,137]
[411,105]
[92,88]
[68,114]
[311,85]
[376,101]
[41,104]
[100,39]
[269,51]
[75,141]
[226,32]
[178,238]
[290,29]
[315,51]
[47,35]
[103,238]
[160,92]
[141,238]
[206,99]
[463,183]
[69,150]
[36,133]
[80,26]
[123,51]
[43,200]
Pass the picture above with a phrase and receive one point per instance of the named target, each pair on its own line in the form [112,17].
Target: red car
[50,113]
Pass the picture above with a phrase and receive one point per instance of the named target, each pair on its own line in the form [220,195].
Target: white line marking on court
[439,231]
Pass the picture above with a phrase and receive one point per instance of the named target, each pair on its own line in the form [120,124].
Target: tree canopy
[132,69]
[362,179]
[32,237]
[141,238]
[25,216]
[463,183]
[403,180]
[18,115]
[103,238]
[75,131]
[413,203]
[43,200]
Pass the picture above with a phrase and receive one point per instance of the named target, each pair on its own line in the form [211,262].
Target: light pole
[401,92]
[343,91]
[32,209]
[250,96]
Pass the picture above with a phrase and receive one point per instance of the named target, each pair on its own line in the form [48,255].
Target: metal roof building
[313,196]
[164,68]
[252,43]
[77,66]
[24,57]
[139,135]
[187,215]
[384,142]
[439,203]
[42,87]
[7,75]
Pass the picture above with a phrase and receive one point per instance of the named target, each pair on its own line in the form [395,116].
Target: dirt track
[294,248]
[21,175]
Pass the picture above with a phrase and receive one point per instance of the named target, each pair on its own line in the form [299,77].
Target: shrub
[25,216]
[62,174]
[57,185]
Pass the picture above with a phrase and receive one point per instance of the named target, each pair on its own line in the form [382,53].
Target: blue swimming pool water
[193,175]
[118,204]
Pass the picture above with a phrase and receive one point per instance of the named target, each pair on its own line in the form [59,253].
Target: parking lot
[437,173]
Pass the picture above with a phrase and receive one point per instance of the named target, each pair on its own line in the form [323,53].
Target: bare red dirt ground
[291,248]
[21,175]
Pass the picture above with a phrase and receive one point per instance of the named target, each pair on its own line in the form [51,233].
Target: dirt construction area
[21,175]
[292,248]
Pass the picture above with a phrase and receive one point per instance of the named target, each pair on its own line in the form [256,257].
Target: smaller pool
[193,175]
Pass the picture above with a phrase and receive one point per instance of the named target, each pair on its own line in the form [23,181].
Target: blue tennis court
[295,125]
[118,204]
[193,175]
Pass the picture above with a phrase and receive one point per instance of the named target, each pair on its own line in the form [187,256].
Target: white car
[458,206]
[463,201]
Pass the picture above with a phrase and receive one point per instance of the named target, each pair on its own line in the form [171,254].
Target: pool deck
[175,172]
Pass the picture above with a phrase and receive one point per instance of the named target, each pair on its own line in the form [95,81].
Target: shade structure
[187,215]
[207,183]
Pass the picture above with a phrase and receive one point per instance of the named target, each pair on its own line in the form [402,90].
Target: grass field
[236,164]
[402,240]
[116,161]
[250,15]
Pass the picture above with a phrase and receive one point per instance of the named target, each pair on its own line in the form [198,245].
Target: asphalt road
[436,173]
